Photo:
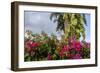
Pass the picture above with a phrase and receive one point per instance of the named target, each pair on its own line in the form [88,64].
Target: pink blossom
[49,57]
[28,46]
[61,53]
[35,44]
[77,56]
[63,50]
[76,45]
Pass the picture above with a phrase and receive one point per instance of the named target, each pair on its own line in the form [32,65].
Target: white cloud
[39,21]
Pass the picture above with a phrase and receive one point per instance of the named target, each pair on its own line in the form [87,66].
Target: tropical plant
[43,47]
[72,24]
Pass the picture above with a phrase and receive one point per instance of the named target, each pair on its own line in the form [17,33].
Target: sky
[40,21]
[87,28]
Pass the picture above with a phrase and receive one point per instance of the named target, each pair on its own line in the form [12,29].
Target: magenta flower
[49,57]
[77,56]
[28,46]
[63,50]
[61,54]
[35,44]
[76,45]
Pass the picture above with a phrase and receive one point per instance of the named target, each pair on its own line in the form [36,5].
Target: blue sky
[40,21]
[87,28]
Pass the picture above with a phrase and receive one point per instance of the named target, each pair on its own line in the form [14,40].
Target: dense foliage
[43,47]
[72,24]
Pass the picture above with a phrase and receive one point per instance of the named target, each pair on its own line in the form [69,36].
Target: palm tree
[72,24]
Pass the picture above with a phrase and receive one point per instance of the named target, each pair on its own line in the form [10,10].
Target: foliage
[43,47]
[72,24]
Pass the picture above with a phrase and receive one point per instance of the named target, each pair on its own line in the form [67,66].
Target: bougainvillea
[43,47]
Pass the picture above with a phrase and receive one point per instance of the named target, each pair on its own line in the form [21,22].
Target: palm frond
[84,19]
[54,15]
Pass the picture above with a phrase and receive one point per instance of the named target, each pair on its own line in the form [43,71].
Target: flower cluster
[43,47]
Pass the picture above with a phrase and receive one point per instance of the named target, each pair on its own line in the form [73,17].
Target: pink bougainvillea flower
[76,45]
[27,46]
[61,54]
[77,56]
[49,57]
[63,50]
[35,44]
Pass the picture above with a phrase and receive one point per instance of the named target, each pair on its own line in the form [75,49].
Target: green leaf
[28,58]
